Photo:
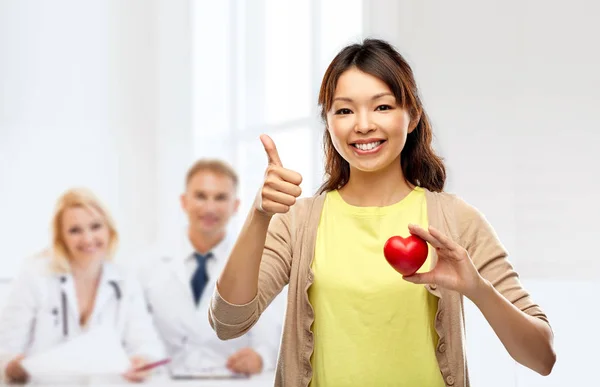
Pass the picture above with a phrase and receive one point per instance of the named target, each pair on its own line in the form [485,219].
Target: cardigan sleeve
[490,257]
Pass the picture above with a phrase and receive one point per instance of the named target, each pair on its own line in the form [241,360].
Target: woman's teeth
[368,146]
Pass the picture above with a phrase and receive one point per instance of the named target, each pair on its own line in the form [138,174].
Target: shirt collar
[110,273]
[220,251]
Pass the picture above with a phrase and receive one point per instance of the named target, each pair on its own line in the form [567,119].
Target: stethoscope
[63,297]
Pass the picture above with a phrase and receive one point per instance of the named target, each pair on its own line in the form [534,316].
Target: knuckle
[271,169]
[270,181]
[264,192]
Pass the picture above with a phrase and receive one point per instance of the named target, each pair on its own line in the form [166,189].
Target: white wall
[55,126]
[174,137]
[512,88]
[94,94]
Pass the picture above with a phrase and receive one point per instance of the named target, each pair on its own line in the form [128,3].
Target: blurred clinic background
[122,96]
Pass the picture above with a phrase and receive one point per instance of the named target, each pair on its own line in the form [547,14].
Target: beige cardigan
[287,259]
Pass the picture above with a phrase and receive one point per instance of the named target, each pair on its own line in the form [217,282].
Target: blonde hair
[216,166]
[82,198]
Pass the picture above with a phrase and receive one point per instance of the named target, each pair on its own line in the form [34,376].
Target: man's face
[209,201]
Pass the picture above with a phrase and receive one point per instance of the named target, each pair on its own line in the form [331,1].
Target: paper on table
[96,352]
[206,373]
[201,363]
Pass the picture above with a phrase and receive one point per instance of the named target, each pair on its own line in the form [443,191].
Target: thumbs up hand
[281,186]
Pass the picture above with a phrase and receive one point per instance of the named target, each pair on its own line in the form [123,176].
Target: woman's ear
[414,121]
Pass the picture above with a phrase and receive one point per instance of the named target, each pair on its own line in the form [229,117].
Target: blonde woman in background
[73,287]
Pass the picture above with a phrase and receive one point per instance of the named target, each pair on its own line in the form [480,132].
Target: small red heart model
[405,255]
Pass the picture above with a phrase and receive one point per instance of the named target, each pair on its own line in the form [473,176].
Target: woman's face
[367,126]
[85,234]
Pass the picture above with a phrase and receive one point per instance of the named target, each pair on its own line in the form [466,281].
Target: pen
[150,366]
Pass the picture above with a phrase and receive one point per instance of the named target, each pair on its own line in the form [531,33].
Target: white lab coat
[33,317]
[184,327]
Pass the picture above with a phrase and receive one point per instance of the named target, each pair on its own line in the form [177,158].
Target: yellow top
[371,327]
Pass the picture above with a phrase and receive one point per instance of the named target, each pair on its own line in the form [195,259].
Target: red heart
[405,255]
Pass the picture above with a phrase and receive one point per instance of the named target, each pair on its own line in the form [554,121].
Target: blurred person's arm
[140,338]
[144,275]
[16,326]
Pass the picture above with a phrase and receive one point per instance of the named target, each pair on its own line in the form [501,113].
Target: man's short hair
[215,166]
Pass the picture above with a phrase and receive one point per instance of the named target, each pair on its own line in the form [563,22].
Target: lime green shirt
[371,327]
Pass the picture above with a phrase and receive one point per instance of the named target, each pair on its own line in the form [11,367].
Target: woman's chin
[86,259]
[370,166]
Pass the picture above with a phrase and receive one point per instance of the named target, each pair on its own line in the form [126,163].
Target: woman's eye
[383,107]
[343,111]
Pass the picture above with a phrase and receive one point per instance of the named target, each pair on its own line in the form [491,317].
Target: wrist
[481,291]
[261,363]
[261,215]
[261,354]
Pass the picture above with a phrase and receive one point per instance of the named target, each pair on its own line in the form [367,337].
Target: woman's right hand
[281,186]
[15,371]
[133,375]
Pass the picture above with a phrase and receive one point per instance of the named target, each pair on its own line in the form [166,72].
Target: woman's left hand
[454,269]
[137,376]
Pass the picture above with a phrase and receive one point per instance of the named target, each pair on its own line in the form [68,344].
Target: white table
[263,380]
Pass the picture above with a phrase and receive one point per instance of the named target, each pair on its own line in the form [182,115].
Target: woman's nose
[88,236]
[364,123]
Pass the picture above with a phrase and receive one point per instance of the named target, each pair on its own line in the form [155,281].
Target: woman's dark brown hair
[420,165]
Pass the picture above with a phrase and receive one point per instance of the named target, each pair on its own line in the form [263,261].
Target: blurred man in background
[179,283]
